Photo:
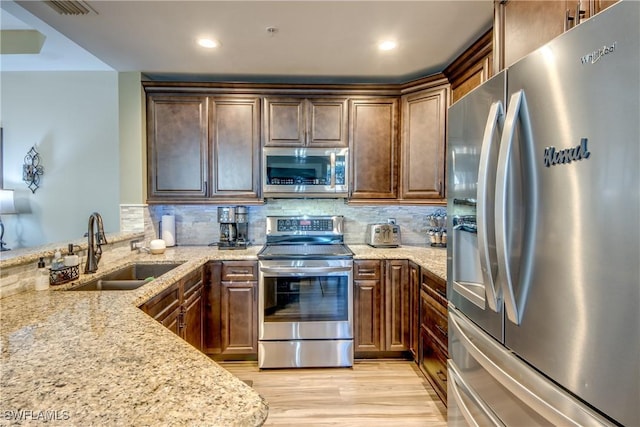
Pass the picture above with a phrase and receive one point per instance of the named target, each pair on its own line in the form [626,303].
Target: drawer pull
[442,376]
[366,271]
[442,330]
[239,272]
[443,294]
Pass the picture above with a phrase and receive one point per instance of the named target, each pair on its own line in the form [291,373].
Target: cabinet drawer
[433,317]
[434,364]
[191,283]
[239,271]
[435,283]
[163,304]
[367,270]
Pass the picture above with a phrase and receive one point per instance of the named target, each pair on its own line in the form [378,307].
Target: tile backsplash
[197,224]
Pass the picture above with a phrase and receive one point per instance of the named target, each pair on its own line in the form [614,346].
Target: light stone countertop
[99,360]
[433,259]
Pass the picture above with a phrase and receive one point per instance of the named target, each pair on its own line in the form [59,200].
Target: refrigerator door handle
[486,178]
[517,112]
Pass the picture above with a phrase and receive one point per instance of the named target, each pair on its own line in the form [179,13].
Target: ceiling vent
[71,7]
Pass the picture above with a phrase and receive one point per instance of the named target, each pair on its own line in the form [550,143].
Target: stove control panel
[300,224]
[304,225]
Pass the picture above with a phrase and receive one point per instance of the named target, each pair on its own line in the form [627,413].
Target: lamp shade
[7,205]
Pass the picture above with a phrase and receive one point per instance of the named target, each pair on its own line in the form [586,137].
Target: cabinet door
[374,144]
[414,309]
[177,150]
[212,308]
[396,303]
[235,128]
[173,321]
[423,144]
[192,307]
[367,304]
[284,121]
[327,122]
[239,323]
[597,6]
[530,24]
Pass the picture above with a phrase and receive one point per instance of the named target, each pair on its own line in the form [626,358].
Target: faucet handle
[101,239]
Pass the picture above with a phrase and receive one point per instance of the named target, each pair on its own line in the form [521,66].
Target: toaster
[383,235]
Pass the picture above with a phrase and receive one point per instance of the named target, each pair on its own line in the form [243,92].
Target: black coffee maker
[233,227]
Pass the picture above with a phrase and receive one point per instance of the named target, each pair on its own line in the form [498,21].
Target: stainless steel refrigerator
[544,254]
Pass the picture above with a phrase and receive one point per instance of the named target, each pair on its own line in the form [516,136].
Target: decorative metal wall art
[32,170]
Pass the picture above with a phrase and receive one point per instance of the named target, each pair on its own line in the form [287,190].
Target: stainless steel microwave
[305,172]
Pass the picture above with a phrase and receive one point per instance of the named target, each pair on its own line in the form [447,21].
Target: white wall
[72,119]
[133,174]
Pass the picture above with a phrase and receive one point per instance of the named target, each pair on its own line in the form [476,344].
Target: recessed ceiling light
[209,43]
[387,45]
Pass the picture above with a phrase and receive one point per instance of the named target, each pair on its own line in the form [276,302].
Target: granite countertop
[433,259]
[96,358]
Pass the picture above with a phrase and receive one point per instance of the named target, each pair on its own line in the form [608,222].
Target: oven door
[305,300]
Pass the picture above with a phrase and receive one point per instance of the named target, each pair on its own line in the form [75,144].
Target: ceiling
[315,41]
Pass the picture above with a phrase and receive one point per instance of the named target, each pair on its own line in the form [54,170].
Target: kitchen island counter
[94,358]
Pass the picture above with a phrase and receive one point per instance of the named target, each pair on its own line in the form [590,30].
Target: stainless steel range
[305,294]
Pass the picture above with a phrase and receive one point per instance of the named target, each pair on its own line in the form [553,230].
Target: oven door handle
[302,271]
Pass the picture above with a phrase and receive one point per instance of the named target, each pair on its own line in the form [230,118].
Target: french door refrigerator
[544,213]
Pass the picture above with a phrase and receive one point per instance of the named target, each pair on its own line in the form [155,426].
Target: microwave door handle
[333,167]
[486,240]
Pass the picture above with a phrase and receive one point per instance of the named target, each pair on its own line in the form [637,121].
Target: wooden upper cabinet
[177,151]
[373,134]
[529,24]
[235,129]
[312,122]
[327,122]
[472,68]
[203,148]
[423,144]
[284,121]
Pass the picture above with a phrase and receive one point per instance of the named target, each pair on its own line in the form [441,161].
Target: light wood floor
[372,393]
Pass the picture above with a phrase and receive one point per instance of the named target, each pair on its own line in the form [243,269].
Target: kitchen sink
[127,278]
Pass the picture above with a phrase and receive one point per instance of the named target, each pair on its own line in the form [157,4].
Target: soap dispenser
[42,279]
[57,263]
[71,260]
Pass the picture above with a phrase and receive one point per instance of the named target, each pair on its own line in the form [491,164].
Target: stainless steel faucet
[95,242]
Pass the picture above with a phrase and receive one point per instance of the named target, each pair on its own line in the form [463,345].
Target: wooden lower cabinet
[433,352]
[396,304]
[381,308]
[179,308]
[367,303]
[192,311]
[414,309]
[239,312]
[231,310]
